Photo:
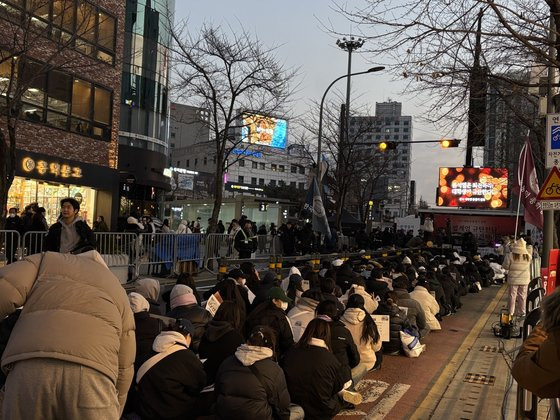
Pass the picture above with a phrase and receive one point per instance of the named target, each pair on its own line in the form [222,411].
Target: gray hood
[249,355]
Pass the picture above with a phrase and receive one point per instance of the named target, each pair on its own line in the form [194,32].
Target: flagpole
[520,181]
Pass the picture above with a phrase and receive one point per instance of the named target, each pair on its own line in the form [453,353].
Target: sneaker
[351,397]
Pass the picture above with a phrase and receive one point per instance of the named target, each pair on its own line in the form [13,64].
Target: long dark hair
[369,330]
[317,328]
[229,311]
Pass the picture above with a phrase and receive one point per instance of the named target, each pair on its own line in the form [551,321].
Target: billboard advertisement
[264,131]
[485,188]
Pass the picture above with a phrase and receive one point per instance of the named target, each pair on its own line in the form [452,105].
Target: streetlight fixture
[320,134]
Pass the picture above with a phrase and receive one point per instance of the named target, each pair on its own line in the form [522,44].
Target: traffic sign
[550,191]
[552,140]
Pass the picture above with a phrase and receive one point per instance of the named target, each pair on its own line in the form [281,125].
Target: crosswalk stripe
[381,409]
[371,389]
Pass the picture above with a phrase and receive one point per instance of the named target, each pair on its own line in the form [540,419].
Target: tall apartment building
[69,64]
[391,190]
[143,134]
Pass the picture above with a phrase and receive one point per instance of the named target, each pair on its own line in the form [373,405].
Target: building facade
[70,71]
[391,189]
[144,123]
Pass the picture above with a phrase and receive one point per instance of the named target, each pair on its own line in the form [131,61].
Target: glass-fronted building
[143,134]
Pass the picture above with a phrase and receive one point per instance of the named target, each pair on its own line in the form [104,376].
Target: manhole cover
[490,349]
[476,378]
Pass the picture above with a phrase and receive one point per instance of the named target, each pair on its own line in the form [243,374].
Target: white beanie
[181,294]
[138,303]
[337,263]
[407,260]
[294,270]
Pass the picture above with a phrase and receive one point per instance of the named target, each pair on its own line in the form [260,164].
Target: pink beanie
[181,295]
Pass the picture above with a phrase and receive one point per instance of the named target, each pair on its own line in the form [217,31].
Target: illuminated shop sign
[245,152]
[43,167]
[244,188]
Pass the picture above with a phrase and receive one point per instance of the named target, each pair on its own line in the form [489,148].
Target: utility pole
[548,215]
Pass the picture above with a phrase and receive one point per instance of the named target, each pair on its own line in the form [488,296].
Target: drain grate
[476,378]
[490,349]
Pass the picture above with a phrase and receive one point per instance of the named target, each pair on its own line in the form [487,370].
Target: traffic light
[446,143]
[387,145]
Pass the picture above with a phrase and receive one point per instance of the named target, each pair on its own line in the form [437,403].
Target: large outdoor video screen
[265,131]
[473,187]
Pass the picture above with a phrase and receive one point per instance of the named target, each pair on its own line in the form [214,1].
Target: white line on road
[371,389]
[380,410]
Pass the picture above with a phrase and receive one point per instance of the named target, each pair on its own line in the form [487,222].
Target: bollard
[279,268]
[222,270]
[272,263]
[315,262]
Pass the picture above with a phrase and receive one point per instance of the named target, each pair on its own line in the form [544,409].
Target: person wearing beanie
[272,313]
[183,305]
[407,261]
[518,264]
[149,288]
[170,382]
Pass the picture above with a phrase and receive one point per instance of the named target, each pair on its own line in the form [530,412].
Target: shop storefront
[45,180]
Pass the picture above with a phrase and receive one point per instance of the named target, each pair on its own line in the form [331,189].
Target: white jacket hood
[294,270]
[249,355]
[353,316]
[167,339]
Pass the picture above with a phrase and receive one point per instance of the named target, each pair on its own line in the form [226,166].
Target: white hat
[519,247]
[138,303]
[407,260]
[337,263]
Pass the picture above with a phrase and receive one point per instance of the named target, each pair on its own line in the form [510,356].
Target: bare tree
[230,73]
[31,45]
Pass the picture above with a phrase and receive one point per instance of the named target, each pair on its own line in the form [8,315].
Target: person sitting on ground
[397,322]
[188,280]
[370,304]
[251,385]
[451,289]
[376,286]
[537,365]
[70,234]
[222,337]
[272,314]
[314,375]
[267,282]
[169,383]
[434,285]
[428,303]
[414,312]
[329,290]
[149,288]
[345,276]
[304,312]
[363,329]
[342,343]
[286,280]
[184,306]
[295,289]
[251,275]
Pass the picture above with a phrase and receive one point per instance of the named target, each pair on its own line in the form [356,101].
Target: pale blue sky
[296,26]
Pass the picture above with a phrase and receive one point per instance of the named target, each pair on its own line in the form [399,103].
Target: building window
[178,164]
[241,163]
[172,135]
[254,165]
[396,137]
[396,129]
[195,162]
[301,185]
[405,137]
[253,181]
[262,166]
[302,170]
[172,145]
[293,184]
[261,181]
[281,168]
[405,130]
[273,182]
[273,167]
[241,179]
[293,169]
[205,160]
[406,122]
[188,163]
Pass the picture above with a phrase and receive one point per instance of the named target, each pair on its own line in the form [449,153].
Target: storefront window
[48,195]
[81,99]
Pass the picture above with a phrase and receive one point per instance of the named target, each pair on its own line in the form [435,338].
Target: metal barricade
[119,251]
[218,245]
[10,250]
[33,243]
[157,253]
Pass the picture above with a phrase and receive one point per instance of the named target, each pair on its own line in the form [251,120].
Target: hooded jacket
[353,319]
[370,304]
[301,315]
[519,271]
[84,240]
[75,310]
[149,288]
[415,313]
[170,388]
[183,227]
[261,291]
[314,377]
[344,348]
[537,366]
[429,306]
[241,395]
[218,343]
[397,323]
[286,280]
[199,317]
[267,313]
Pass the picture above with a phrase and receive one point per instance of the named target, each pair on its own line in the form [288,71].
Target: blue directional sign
[552,140]
[555,136]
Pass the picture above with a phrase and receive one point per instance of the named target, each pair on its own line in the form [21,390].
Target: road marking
[351,413]
[429,404]
[381,409]
[371,389]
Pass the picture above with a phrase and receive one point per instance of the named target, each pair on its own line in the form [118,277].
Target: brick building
[67,54]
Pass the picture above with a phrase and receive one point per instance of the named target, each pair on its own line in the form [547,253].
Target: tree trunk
[218,195]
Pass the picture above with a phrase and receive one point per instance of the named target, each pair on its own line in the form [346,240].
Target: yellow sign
[551,186]
[43,167]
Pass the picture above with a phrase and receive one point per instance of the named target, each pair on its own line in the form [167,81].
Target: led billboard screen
[265,131]
[473,187]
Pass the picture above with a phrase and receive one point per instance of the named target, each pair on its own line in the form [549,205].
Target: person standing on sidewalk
[245,241]
[71,352]
[518,264]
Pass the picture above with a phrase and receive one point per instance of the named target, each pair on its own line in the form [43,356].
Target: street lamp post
[320,134]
